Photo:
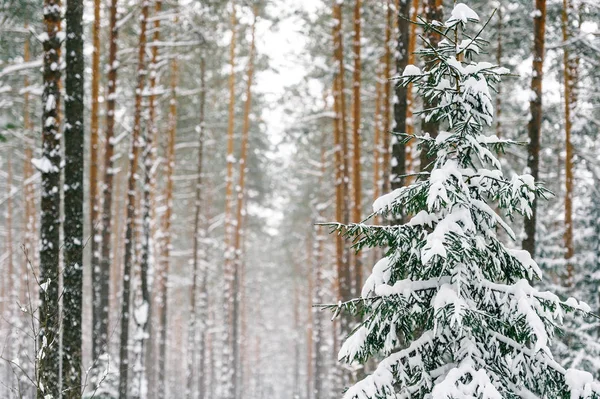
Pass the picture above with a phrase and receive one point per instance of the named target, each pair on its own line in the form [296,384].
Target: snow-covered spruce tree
[450,308]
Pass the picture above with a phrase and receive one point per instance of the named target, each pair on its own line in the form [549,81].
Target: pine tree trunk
[28,189]
[387,102]
[570,75]
[341,161]
[296,313]
[309,315]
[150,214]
[356,140]
[196,234]
[101,277]
[130,208]
[94,140]
[48,381]
[240,188]
[377,148]
[9,313]
[73,204]
[499,33]
[319,341]
[378,145]
[229,374]
[534,126]
[28,290]
[165,269]
[317,295]
[410,123]
[433,11]
[401,103]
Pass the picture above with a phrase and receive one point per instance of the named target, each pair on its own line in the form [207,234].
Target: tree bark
[410,123]
[433,12]
[130,207]
[73,204]
[310,315]
[197,235]
[229,368]
[387,102]
[401,91]
[356,141]
[534,126]
[341,161]
[165,269]
[101,277]
[48,380]
[148,160]
[499,32]
[94,147]
[10,298]
[570,75]
[319,347]
[377,147]
[240,205]
[150,213]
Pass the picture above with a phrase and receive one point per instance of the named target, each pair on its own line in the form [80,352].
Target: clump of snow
[385,201]
[454,385]
[461,13]
[579,383]
[141,313]
[44,165]
[380,275]
[411,70]
[353,345]
[579,305]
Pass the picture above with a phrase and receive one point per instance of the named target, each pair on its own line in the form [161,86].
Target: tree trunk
[499,33]
[240,188]
[130,207]
[570,75]
[101,277]
[48,381]
[377,148]
[10,299]
[433,12]
[356,140]
[410,123]
[150,214]
[29,266]
[534,126]
[94,148]
[317,296]
[309,315]
[341,162]
[28,185]
[148,160]
[401,103]
[73,206]
[340,97]
[387,102]
[164,286]
[229,374]
[196,234]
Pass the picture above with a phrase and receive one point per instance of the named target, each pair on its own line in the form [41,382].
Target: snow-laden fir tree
[450,309]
